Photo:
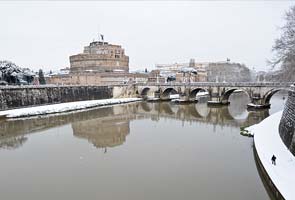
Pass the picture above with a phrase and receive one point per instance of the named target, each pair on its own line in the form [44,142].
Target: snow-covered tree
[13,74]
[284,46]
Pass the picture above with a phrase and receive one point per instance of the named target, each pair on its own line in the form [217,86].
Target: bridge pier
[186,97]
[216,101]
[217,98]
[257,103]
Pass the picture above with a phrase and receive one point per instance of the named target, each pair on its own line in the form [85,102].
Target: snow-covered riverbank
[63,107]
[268,143]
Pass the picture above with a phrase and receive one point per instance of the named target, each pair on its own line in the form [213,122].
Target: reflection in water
[238,105]
[12,142]
[157,153]
[222,116]
[109,126]
[146,106]
[202,109]
[102,133]
[11,130]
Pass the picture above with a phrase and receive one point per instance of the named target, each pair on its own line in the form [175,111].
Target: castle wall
[287,124]
[16,97]
[98,63]
[96,79]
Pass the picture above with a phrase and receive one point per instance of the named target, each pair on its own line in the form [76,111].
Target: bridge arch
[270,93]
[227,93]
[166,93]
[144,91]
[195,91]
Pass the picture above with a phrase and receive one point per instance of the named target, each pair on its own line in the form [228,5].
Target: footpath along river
[134,151]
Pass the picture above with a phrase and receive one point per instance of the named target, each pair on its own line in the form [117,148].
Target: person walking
[273,159]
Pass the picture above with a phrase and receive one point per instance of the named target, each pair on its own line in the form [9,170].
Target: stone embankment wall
[16,97]
[287,124]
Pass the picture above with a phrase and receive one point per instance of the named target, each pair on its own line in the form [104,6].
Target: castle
[100,56]
[100,63]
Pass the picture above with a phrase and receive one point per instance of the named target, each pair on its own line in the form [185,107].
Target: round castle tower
[100,56]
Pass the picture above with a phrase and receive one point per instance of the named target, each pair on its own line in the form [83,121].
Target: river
[136,151]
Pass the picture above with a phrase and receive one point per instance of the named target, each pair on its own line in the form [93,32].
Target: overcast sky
[44,34]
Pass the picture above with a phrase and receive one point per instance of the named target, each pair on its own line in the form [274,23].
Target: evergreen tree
[41,77]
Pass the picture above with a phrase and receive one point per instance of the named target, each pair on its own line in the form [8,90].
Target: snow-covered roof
[188,70]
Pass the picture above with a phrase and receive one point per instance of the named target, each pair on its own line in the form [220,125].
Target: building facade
[207,71]
[228,72]
[100,56]
[177,70]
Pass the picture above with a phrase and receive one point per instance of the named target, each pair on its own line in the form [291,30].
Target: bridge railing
[222,84]
[197,84]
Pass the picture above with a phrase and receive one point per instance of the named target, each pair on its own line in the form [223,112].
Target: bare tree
[284,46]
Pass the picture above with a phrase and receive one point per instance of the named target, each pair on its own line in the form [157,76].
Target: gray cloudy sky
[45,34]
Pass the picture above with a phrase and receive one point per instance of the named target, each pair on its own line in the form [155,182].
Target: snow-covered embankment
[63,107]
[268,143]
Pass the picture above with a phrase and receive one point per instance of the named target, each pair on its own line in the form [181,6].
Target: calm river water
[137,151]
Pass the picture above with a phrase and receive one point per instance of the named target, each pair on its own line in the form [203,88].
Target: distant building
[181,71]
[207,71]
[228,72]
[100,56]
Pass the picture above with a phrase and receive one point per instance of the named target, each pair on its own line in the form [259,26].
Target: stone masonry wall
[287,124]
[15,97]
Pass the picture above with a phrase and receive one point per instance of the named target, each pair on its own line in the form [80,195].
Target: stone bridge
[219,93]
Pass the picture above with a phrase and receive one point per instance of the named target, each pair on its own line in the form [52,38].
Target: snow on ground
[268,142]
[213,101]
[174,96]
[255,105]
[151,98]
[202,93]
[238,91]
[63,107]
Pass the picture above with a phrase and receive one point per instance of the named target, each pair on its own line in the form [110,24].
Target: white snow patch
[202,93]
[63,107]
[174,96]
[151,98]
[268,142]
[214,102]
[255,105]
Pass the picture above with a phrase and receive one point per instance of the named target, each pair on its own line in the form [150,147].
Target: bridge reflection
[109,126]
[223,116]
